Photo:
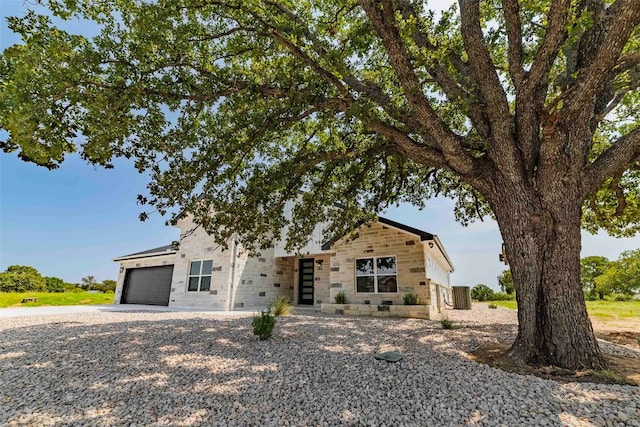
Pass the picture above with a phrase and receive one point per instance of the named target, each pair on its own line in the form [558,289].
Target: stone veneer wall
[257,282]
[404,311]
[195,246]
[374,241]
[155,261]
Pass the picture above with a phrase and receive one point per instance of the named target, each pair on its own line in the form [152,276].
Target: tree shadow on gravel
[158,368]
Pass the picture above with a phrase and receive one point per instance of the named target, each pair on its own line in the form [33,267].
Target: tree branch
[555,35]
[623,17]
[613,161]
[381,15]
[484,72]
[454,89]
[511,11]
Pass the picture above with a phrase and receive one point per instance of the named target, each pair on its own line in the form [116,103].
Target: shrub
[588,296]
[493,306]
[501,296]
[263,325]
[54,284]
[281,306]
[411,299]
[622,297]
[446,323]
[340,298]
[77,290]
[109,291]
[481,292]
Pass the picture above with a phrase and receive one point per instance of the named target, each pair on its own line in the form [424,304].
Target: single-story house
[375,269]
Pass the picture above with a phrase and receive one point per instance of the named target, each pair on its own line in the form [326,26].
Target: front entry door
[305,282]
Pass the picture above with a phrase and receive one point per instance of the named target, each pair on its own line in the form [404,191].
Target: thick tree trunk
[543,242]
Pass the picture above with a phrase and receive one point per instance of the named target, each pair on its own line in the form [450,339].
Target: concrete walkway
[72,309]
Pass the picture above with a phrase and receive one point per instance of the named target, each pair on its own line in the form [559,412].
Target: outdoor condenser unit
[462,297]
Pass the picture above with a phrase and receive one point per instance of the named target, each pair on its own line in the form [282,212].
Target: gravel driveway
[162,368]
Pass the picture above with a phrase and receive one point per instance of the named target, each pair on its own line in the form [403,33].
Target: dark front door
[305,282]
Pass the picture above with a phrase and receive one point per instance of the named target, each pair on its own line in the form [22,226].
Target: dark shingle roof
[162,250]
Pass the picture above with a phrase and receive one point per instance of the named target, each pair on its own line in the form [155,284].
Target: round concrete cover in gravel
[390,356]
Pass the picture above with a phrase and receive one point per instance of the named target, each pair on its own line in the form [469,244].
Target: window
[376,275]
[200,275]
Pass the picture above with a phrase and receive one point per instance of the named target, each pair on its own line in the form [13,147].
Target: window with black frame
[376,275]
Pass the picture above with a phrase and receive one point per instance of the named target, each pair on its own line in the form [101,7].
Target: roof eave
[154,254]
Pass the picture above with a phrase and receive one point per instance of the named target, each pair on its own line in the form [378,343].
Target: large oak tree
[522,109]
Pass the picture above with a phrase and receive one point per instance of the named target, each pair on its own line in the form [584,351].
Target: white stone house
[374,270]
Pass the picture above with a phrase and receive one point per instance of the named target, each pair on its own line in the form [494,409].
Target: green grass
[600,309]
[507,304]
[14,299]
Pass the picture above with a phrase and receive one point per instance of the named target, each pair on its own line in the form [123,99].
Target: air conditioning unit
[461,297]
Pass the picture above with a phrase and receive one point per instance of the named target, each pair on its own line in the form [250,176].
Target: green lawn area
[14,299]
[600,309]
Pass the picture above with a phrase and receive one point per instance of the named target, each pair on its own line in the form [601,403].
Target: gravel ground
[152,368]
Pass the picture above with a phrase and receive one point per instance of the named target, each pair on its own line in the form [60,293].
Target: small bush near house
[493,306]
[340,298]
[263,325]
[446,323]
[411,299]
[281,306]
[622,297]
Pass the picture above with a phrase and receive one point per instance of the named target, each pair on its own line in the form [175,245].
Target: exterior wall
[194,246]
[380,240]
[315,242]
[154,261]
[411,311]
[257,282]
[434,268]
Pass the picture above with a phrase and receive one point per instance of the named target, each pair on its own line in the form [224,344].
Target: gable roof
[423,235]
[161,250]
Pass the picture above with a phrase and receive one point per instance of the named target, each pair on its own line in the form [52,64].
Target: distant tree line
[599,276]
[22,278]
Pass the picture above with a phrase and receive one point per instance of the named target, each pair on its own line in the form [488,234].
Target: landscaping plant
[411,299]
[446,323]
[340,298]
[281,306]
[263,324]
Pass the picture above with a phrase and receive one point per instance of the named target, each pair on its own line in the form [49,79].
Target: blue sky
[73,221]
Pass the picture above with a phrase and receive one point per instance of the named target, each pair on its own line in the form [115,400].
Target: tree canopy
[505,280]
[621,276]
[592,267]
[244,103]
[21,278]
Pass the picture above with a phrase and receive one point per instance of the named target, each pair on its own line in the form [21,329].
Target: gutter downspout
[231,292]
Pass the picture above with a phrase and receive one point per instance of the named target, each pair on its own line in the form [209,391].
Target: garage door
[150,285]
